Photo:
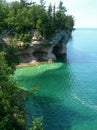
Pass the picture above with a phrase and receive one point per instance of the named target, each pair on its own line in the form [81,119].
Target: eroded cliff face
[45,50]
[40,50]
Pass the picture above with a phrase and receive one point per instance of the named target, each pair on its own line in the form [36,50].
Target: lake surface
[66,95]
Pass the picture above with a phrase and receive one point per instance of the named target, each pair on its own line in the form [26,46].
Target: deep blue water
[67,90]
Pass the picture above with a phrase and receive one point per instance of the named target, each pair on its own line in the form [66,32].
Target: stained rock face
[47,50]
[36,53]
[44,50]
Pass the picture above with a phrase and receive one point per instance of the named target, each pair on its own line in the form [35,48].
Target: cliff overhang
[40,50]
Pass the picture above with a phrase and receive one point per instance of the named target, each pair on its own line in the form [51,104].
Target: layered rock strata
[45,50]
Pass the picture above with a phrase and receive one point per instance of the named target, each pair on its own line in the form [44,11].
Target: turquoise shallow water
[67,91]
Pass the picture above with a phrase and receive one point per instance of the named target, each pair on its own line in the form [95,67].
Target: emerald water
[66,92]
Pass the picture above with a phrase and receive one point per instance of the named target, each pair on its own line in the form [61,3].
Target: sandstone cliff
[40,50]
[45,50]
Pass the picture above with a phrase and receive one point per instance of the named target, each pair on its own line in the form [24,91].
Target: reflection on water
[67,95]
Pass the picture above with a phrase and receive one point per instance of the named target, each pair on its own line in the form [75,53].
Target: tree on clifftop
[24,16]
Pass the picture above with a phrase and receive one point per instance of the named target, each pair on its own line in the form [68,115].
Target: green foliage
[4,69]
[26,37]
[11,113]
[61,8]
[10,53]
[37,124]
[69,22]
[3,14]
